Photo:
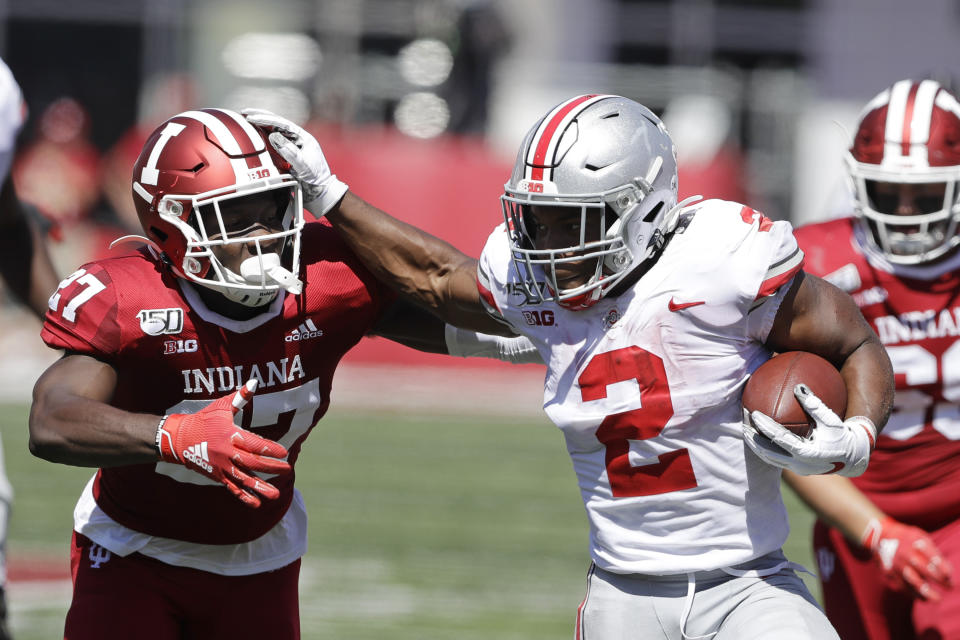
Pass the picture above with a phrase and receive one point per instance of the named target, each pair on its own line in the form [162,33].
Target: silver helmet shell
[612,158]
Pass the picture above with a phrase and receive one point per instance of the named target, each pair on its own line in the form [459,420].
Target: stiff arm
[422,267]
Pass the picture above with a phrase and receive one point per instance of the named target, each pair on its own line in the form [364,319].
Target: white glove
[321,189]
[833,446]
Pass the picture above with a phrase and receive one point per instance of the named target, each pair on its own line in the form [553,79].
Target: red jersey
[172,354]
[913,473]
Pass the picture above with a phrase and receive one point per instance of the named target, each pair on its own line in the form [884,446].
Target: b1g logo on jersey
[543,318]
[179,346]
[155,322]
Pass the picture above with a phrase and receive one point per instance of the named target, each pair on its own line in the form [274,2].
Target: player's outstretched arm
[419,329]
[72,422]
[907,555]
[25,263]
[420,266]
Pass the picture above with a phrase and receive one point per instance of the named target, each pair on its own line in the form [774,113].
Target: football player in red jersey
[193,371]
[887,541]
[650,316]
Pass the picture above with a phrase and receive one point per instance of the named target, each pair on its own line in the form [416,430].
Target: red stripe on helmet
[908,119]
[539,156]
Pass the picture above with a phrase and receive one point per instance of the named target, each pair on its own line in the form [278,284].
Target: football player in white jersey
[25,267]
[650,316]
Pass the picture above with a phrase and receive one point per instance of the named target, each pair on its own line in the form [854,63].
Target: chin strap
[673,216]
[670,223]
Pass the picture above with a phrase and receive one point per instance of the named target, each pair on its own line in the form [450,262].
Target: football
[770,389]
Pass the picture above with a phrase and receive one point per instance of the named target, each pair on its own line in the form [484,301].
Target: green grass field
[422,527]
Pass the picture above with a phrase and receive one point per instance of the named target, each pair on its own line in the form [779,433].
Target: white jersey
[12,113]
[646,388]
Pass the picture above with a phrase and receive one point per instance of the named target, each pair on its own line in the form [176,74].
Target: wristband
[330,195]
[159,440]
[871,534]
[868,426]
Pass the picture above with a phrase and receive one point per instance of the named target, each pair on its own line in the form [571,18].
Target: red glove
[211,444]
[908,557]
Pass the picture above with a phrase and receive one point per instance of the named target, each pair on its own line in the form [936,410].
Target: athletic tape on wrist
[159,436]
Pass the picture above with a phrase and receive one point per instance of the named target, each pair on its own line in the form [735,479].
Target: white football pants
[759,600]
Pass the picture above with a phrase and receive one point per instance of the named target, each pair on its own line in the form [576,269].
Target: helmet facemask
[612,234]
[220,224]
[907,239]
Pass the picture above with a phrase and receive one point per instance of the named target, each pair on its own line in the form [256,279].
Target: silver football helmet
[612,159]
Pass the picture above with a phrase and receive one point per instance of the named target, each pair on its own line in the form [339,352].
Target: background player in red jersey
[886,541]
[234,295]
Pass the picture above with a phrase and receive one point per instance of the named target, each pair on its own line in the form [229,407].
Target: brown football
[770,389]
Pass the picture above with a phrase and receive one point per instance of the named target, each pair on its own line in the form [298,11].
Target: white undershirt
[277,548]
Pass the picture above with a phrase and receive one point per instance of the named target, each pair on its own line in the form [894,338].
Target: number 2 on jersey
[673,470]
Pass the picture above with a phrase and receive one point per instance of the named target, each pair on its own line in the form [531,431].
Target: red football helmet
[193,167]
[908,142]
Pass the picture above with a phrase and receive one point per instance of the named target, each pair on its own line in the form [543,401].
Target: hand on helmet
[211,444]
[321,189]
[833,446]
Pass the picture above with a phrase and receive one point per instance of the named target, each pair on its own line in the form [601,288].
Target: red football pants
[862,606]
[144,599]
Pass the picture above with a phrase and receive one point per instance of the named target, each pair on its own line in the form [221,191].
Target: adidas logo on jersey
[197,454]
[305,331]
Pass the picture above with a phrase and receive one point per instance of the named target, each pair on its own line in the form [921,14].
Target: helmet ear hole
[652,207]
[651,216]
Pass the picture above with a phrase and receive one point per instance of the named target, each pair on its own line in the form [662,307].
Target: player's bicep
[816,316]
[76,376]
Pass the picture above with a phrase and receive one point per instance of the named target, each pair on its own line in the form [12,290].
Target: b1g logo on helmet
[155,322]
[536,186]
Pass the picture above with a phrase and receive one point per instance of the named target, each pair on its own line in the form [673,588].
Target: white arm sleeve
[470,344]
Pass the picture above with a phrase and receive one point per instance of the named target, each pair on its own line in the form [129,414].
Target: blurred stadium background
[442,502]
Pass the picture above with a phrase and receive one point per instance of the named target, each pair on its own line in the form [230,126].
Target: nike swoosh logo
[673,305]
